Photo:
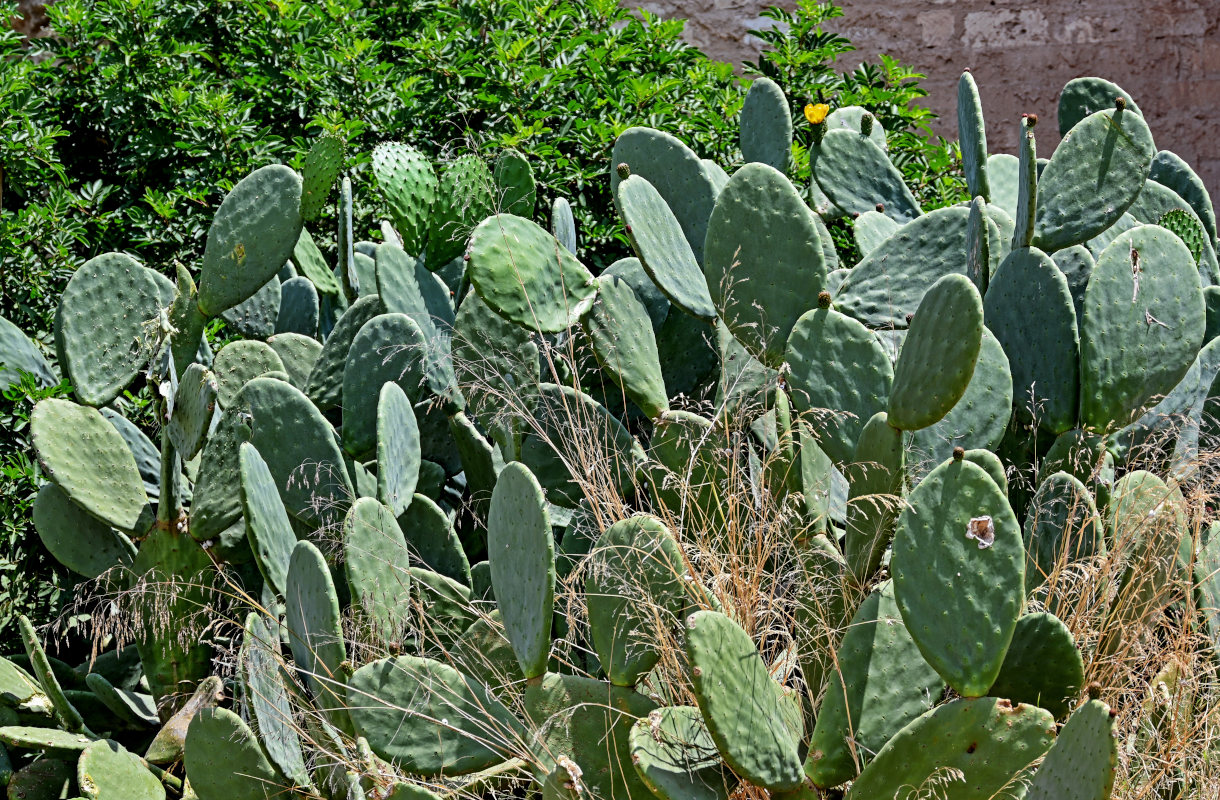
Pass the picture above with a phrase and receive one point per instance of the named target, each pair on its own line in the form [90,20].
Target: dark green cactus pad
[1171,171]
[526,276]
[299,308]
[692,475]
[871,229]
[446,605]
[1084,96]
[465,196]
[19,690]
[106,771]
[44,779]
[590,722]
[47,740]
[315,631]
[1043,667]
[1076,263]
[86,457]
[1061,526]
[1095,173]
[755,724]
[252,235]
[1083,760]
[988,740]
[1086,456]
[743,379]
[267,525]
[1043,348]
[563,227]
[312,263]
[959,574]
[890,281]
[104,326]
[766,125]
[621,334]
[857,176]
[658,240]
[322,165]
[326,377]
[563,416]
[763,285]
[167,746]
[409,186]
[1185,226]
[146,454]
[19,354]
[1004,228]
[687,187]
[981,416]
[66,714]
[300,449]
[225,761]
[516,190]
[973,137]
[676,758]
[77,540]
[432,539]
[521,551]
[136,709]
[1024,216]
[398,455]
[1159,205]
[495,361]
[646,290]
[240,362]
[255,317]
[267,695]
[882,684]
[377,561]
[193,409]
[978,249]
[937,359]
[407,288]
[298,353]
[839,377]
[635,576]
[687,350]
[876,477]
[427,718]
[485,654]
[389,347]
[1144,320]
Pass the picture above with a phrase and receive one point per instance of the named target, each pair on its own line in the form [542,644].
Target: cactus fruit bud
[1094,690]
[866,124]
[881,207]
[623,170]
[1030,120]
[1120,102]
[823,299]
[816,113]
[959,453]
[855,215]
[628,227]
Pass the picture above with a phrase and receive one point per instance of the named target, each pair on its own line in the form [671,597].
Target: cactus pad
[267,525]
[1083,760]
[857,176]
[766,125]
[676,758]
[315,630]
[225,761]
[1084,96]
[377,561]
[1061,526]
[1043,667]
[516,191]
[409,185]
[622,338]
[973,136]
[466,194]
[80,542]
[106,771]
[322,165]
[18,354]
[240,362]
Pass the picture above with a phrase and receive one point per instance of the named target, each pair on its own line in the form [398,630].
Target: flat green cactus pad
[106,771]
[766,125]
[622,338]
[756,726]
[390,347]
[1043,667]
[322,165]
[105,326]
[267,525]
[962,612]
[255,317]
[1144,319]
[1061,526]
[1082,762]
[465,196]
[871,229]
[937,359]
[326,377]
[225,761]
[496,361]
[134,708]
[563,226]
[521,551]
[252,235]
[409,185]
[762,285]
[19,354]
[635,576]
[46,740]
[299,354]
[194,407]
[1084,96]
[299,307]
[19,690]
[378,563]
[1171,171]
[263,682]
[516,190]
[857,176]
[80,542]
[87,458]
[875,478]
[988,740]
[839,376]
[973,136]
[427,718]
[44,779]
[240,362]
[526,276]
[398,453]
[432,540]
[676,758]
[315,630]
[882,684]
[406,287]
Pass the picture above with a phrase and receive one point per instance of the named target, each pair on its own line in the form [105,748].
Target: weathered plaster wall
[1166,53]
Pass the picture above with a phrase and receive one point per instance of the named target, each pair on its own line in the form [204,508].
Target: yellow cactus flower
[816,113]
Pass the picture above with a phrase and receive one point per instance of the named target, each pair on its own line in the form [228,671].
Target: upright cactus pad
[388,348]
[1061,526]
[756,726]
[521,550]
[762,286]
[107,771]
[240,362]
[315,630]
[1082,762]
[1043,667]
[193,410]
[563,226]
[410,187]
[431,537]
[105,325]
[766,125]
[938,357]
[398,453]
[322,165]
[80,542]
[466,195]
[225,761]
[526,276]
[676,758]
[875,477]
[624,343]
[1081,97]
[516,191]
[267,695]
[857,176]
[973,136]
[962,612]
[252,235]
[376,559]
[267,525]
[989,740]
[325,386]
[254,317]
[299,307]
[19,354]
[1171,171]
[871,229]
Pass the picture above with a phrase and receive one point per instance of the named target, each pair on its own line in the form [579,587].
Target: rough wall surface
[1166,53]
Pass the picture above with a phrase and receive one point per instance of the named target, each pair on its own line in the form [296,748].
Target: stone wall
[1166,53]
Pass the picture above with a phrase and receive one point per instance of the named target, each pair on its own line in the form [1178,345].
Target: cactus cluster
[423,447]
